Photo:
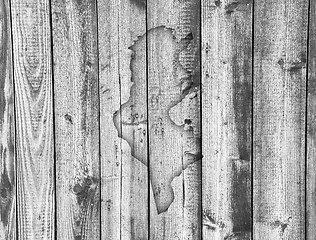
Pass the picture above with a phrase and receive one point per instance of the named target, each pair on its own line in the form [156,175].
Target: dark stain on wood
[133,235]
[5,196]
[85,190]
[282,224]
[293,66]
[140,3]
[236,5]
[242,95]
[68,118]
[241,204]
[88,198]
[218,3]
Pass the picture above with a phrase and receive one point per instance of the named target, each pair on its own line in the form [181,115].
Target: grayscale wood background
[157,119]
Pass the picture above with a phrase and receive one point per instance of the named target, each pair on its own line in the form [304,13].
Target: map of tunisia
[172,147]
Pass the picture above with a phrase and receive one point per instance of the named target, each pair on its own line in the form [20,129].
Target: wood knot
[68,118]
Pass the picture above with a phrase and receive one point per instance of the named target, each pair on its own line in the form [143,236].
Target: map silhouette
[157,71]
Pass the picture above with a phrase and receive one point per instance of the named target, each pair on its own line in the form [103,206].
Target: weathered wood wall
[145,119]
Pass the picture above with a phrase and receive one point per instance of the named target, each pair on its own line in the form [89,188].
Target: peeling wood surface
[76,106]
[280,53]
[226,119]
[161,120]
[34,119]
[7,131]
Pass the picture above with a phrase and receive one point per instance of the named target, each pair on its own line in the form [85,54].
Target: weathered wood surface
[76,108]
[34,119]
[173,118]
[226,119]
[7,129]
[280,45]
[148,135]
[123,101]
[311,128]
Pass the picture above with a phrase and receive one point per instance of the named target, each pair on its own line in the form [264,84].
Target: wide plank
[226,119]
[34,119]
[76,108]
[173,78]
[311,127]
[123,102]
[7,129]
[280,46]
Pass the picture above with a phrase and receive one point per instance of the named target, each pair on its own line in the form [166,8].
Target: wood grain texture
[280,37]
[226,119]
[174,118]
[111,149]
[34,119]
[7,126]
[311,128]
[76,110]
[123,120]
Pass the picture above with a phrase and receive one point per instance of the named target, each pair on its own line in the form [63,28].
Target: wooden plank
[174,118]
[123,120]
[109,102]
[7,129]
[311,128]
[76,110]
[226,119]
[34,118]
[280,37]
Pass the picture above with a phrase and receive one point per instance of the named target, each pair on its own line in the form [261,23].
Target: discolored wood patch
[170,87]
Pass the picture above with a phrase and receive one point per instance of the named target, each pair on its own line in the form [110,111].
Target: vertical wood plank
[123,119]
[76,98]
[226,119]
[311,128]
[7,129]
[280,37]
[173,118]
[34,118]
[108,32]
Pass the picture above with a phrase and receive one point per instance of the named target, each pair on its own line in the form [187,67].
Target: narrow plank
[123,120]
[110,143]
[280,37]
[75,52]
[34,118]
[226,119]
[7,128]
[174,118]
[311,128]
